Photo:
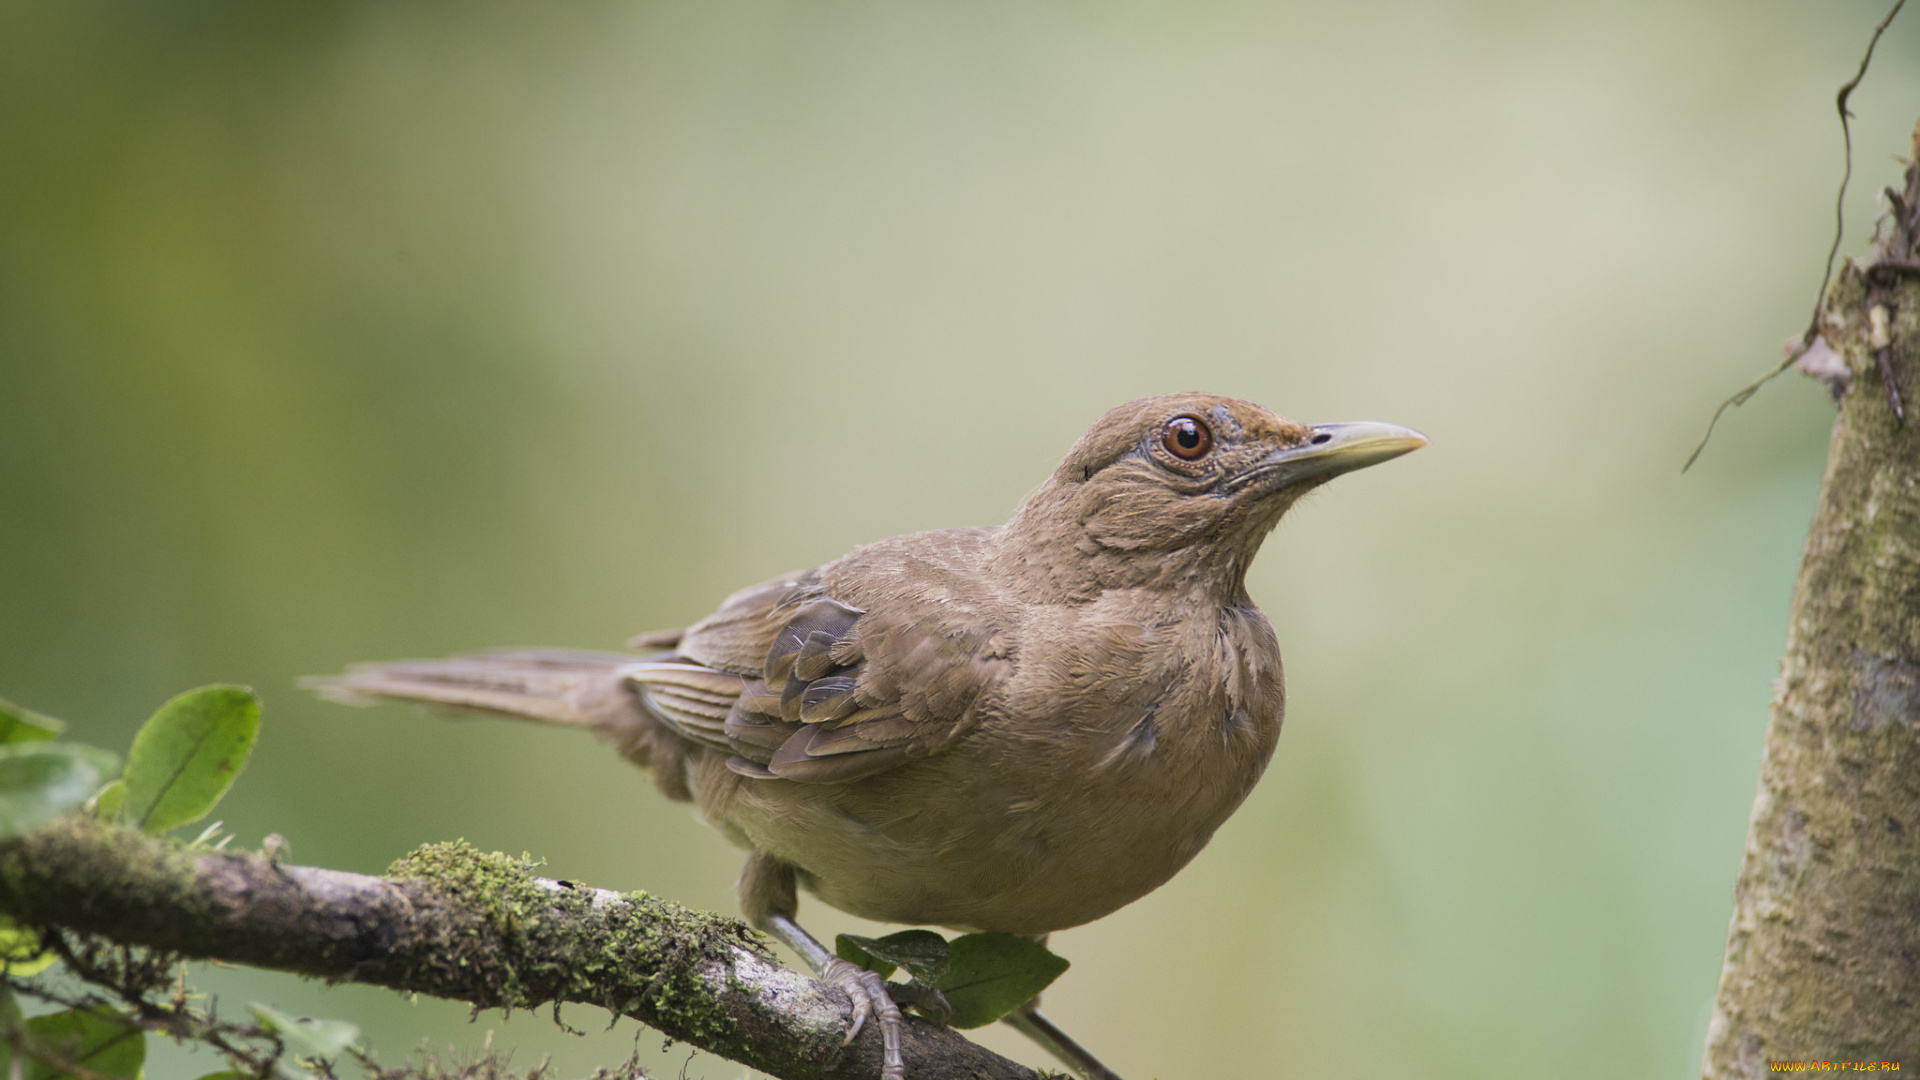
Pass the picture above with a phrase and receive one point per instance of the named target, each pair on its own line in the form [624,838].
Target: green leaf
[847,947]
[99,1041]
[25,725]
[106,802]
[228,1074]
[187,755]
[21,953]
[39,781]
[304,1036]
[922,952]
[990,975]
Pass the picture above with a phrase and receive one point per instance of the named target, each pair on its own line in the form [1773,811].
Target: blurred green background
[333,332]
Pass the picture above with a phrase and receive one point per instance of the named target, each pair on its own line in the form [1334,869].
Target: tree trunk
[1823,954]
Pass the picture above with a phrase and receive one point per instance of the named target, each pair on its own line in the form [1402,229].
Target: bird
[1018,728]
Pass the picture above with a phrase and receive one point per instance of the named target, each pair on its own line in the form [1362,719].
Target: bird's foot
[868,992]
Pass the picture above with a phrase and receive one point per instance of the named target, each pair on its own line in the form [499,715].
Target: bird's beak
[1334,449]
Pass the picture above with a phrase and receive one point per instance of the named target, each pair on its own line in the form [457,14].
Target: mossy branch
[454,923]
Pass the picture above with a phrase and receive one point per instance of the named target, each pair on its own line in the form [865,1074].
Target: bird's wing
[795,684]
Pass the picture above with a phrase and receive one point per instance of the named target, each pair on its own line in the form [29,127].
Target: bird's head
[1179,491]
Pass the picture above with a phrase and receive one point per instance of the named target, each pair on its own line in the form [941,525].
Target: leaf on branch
[187,755]
[106,803]
[922,952]
[983,976]
[990,975]
[99,1041]
[304,1036]
[25,725]
[39,781]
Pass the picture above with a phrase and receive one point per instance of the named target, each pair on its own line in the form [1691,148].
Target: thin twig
[1839,233]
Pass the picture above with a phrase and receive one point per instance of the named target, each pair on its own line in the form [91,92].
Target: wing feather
[794,684]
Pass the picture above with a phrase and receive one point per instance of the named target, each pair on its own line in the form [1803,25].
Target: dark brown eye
[1186,438]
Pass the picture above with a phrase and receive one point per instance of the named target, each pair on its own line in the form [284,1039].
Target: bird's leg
[1028,1020]
[769,899]
[867,990]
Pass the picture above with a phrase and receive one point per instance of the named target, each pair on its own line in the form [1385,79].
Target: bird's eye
[1186,438]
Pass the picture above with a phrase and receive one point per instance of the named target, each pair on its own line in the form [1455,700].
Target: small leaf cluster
[980,977]
[183,760]
[181,764]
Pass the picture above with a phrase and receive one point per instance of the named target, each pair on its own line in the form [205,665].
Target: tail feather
[555,686]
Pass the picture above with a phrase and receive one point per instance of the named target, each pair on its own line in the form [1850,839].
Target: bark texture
[1823,954]
[455,923]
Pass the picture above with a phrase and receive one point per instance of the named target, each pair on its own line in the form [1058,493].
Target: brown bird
[1019,728]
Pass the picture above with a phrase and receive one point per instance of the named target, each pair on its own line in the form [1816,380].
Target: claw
[868,992]
[847,979]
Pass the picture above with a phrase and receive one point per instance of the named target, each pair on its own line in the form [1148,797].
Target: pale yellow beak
[1334,449]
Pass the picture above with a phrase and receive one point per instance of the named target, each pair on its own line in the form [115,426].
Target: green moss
[638,955]
[492,882]
[78,854]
